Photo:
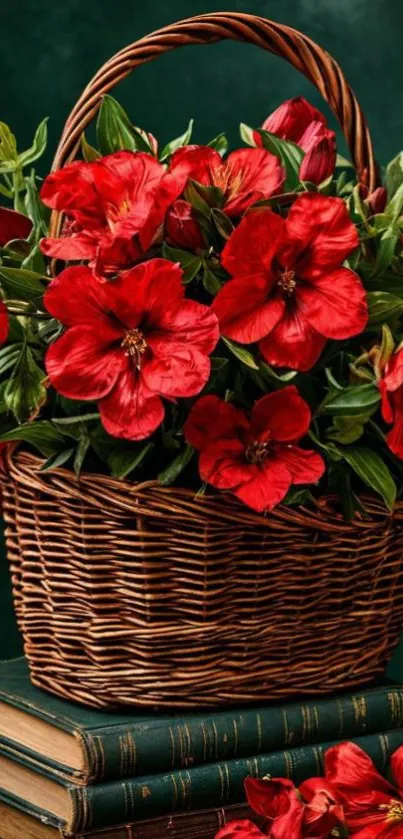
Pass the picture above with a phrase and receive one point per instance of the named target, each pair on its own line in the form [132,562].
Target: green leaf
[347,429]
[395,205]
[81,451]
[351,401]
[342,161]
[278,377]
[80,418]
[115,131]
[297,496]
[38,146]
[373,471]
[21,283]
[211,282]
[218,363]
[394,175]
[43,435]
[241,353]
[290,154]
[8,145]
[382,306]
[36,210]
[9,356]
[222,222]
[176,144]
[88,152]
[220,143]
[25,391]
[169,475]
[122,461]
[386,249]
[189,263]
[247,134]
[57,459]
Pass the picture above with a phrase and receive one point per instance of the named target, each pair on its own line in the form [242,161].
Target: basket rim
[151,499]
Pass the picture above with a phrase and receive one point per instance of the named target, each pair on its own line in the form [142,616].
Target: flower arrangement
[231,321]
[353,799]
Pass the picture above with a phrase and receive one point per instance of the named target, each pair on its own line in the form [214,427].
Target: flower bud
[181,227]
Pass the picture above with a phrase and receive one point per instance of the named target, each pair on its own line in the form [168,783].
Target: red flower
[181,227]
[13,225]
[373,807]
[3,323]
[290,292]
[278,801]
[375,200]
[115,208]
[246,176]
[129,342]
[391,387]
[298,121]
[257,458]
[241,829]
[322,811]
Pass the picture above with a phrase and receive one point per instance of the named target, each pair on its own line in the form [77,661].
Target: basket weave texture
[144,595]
[148,596]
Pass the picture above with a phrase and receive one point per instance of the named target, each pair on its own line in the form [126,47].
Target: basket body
[147,596]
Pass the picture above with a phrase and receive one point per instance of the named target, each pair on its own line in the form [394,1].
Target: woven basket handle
[299,50]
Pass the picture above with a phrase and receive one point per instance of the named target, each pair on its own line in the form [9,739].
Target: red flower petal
[70,248]
[244,311]
[394,371]
[253,244]
[269,486]
[293,343]
[73,189]
[396,765]
[386,401]
[13,225]
[130,410]
[152,290]
[253,174]
[189,322]
[308,789]
[319,162]
[223,464]
[284,414]
[243,829]
[304,465]
[83,364]
[351,772]
[176,369]
[75,296]
[181,227]
[212,419]
[334,304]
[291,119]
[324,229]
[394,438]
[196,162]
[277,799]
[152,230]
[3,323]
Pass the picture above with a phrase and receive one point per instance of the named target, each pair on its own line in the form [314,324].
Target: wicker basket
[144,595]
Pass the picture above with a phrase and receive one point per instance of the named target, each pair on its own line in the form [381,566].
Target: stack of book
[69,771]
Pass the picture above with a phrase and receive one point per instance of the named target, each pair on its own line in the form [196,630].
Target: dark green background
[49,50]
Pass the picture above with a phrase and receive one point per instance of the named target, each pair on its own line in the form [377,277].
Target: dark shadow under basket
[147,596]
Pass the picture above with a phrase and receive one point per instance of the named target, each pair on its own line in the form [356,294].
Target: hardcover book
[85,746]
[79,808]
[201,825]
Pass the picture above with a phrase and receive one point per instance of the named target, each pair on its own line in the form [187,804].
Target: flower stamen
[394,810]
[257,452]
[287,281]
[134,345]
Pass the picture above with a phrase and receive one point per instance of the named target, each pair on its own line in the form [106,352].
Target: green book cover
[211,786]
[88,746]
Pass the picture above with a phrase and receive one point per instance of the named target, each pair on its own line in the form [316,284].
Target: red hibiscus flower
[246,176]
[373,807]
[115,209]
[322,810]
[256,458]
[13,225]
[241,829]
[391,387]
[181,227]
[298,121]
[289,290]
[129,342]
[3,323]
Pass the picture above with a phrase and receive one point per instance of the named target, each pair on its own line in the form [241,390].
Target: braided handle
[299,50]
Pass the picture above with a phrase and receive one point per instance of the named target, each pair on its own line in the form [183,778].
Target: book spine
[214,785]
[144,749]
